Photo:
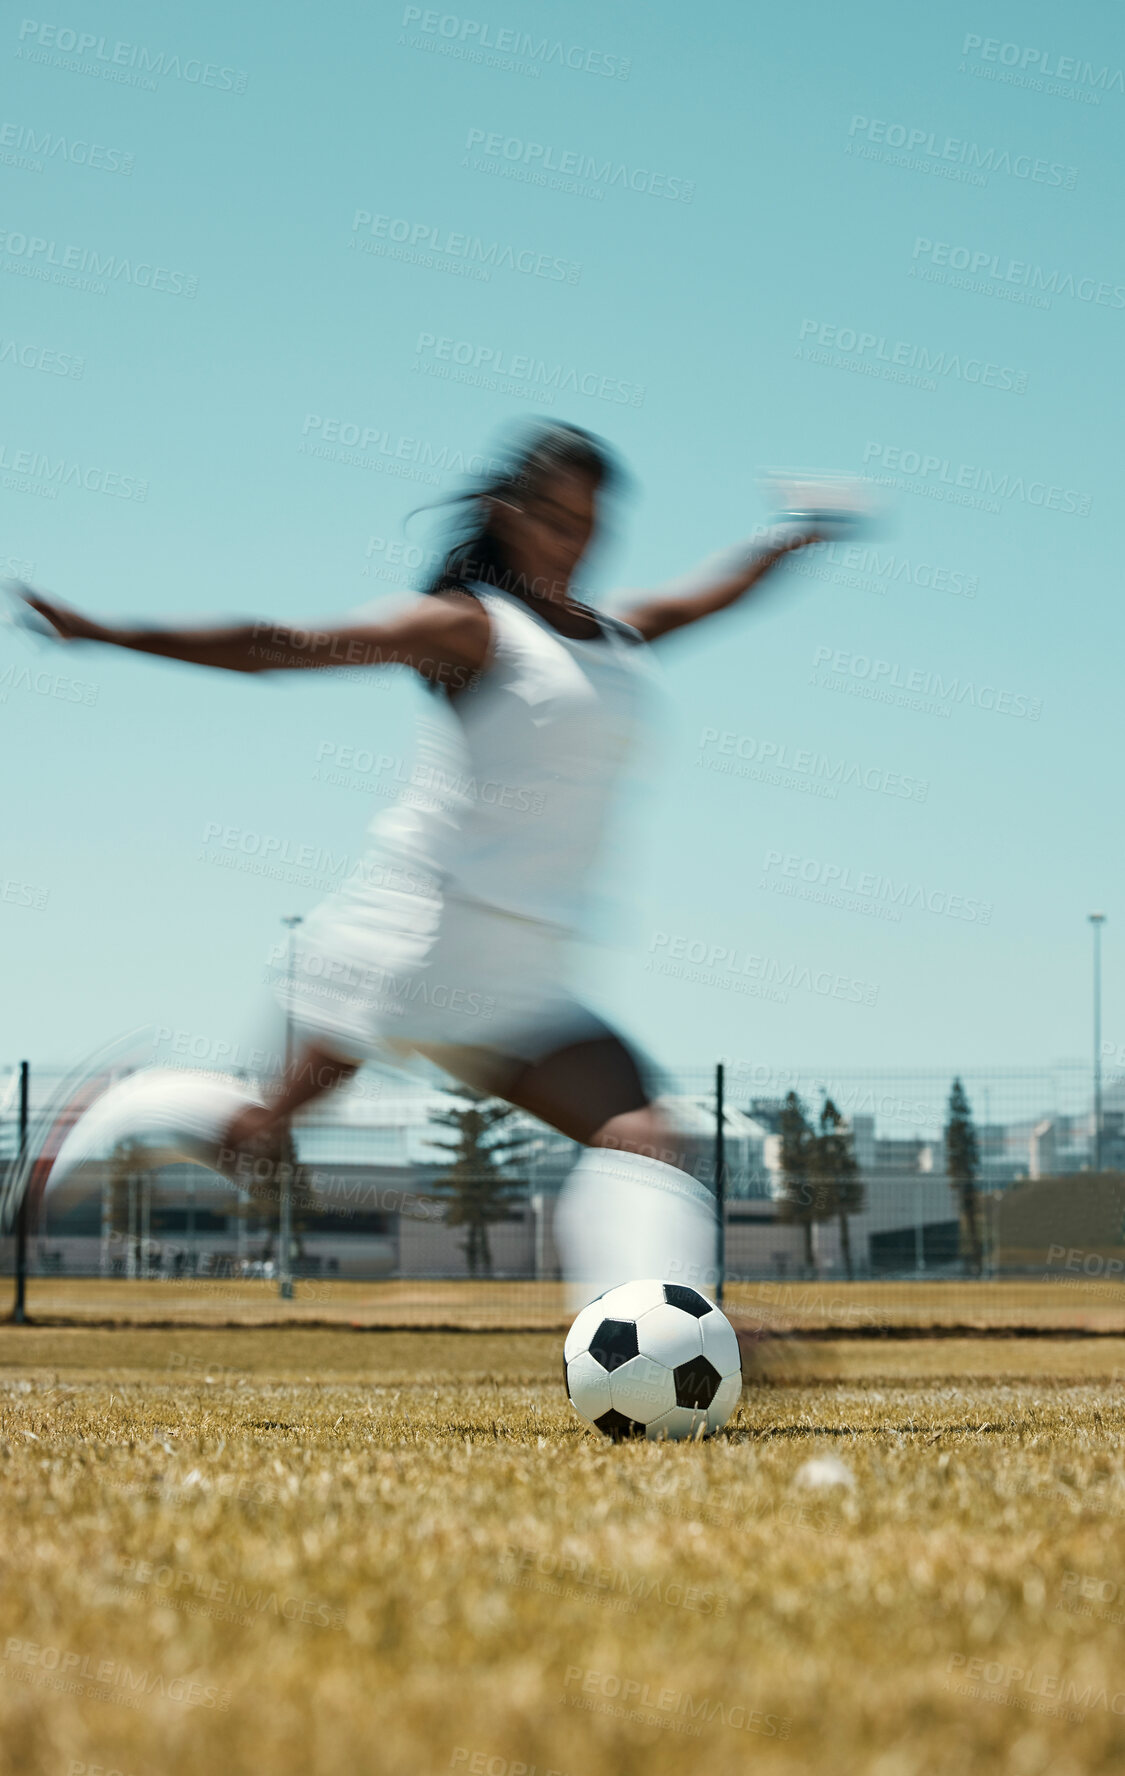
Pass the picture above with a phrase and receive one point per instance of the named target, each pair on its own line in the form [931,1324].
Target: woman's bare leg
[630,1207]
[311,1074]
[593,1092]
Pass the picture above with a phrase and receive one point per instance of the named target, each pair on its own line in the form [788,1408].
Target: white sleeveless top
[508,802]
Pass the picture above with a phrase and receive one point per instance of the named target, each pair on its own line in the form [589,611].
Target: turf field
[314,1550]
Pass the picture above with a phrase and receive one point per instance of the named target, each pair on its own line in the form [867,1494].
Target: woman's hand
[67,624]
[805,537]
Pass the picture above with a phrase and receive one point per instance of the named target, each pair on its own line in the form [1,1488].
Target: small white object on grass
[822,1471]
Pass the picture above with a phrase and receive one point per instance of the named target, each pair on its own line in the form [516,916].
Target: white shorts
[471,986]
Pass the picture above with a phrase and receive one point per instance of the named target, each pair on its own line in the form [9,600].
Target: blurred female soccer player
[453,938]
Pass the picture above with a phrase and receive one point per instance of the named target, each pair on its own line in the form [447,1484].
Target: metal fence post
[19,1311]
[720,1182]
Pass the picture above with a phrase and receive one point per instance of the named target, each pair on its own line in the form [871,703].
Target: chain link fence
[399,1218]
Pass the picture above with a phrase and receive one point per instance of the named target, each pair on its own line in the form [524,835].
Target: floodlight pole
[19,1310]
[720,1182]
[285,1212]
[1097,920]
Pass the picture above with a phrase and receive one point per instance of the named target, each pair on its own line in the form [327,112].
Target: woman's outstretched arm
[712,587]
[445,639]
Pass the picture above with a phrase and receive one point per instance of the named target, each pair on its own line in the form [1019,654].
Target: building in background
[372,1164]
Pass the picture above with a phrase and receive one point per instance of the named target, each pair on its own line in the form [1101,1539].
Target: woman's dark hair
[543,450]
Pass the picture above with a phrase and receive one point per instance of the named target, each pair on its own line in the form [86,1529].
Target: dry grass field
[312,1551]
[1052,1301]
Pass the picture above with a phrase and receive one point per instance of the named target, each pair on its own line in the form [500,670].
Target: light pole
[1097,920]
[919,1233]
[285,1213]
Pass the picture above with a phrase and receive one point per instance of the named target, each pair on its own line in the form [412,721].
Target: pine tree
[962,1164]
[837,1187]
[798,1201]
[478,1186]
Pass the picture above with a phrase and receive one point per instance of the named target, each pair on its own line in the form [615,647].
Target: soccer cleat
[167,1117]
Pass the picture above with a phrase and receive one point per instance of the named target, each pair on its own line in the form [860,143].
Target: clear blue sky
[785,127]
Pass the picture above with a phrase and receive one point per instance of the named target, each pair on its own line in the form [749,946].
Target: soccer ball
[653,1360]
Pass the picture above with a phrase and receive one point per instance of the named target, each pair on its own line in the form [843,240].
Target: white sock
[623,1218]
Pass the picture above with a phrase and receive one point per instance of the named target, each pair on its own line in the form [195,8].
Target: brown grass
[1053,1301]
[399,1552]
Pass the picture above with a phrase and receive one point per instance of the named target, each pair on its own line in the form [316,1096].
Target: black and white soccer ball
[653,1360]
